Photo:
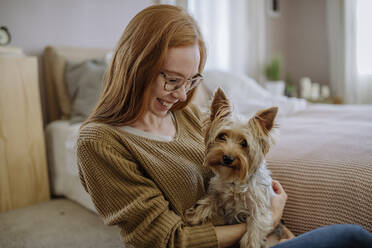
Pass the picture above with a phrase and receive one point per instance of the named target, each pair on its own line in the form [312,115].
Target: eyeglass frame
[166,77]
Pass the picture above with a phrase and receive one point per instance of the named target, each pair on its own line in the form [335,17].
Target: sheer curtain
[350,49]
[364,50]
[181,3]
[234,32]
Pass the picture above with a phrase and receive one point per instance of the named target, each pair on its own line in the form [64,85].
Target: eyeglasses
[174,83]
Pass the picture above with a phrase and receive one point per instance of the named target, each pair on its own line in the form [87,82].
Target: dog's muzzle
[227,160]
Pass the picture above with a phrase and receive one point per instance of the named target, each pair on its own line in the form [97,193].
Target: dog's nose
[227,159]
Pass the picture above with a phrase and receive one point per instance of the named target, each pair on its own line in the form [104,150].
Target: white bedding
[247,96]
[64,177]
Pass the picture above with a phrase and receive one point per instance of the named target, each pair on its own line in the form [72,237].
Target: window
[214,20]
[364,37]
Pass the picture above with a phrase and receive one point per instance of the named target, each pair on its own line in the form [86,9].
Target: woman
[141,150]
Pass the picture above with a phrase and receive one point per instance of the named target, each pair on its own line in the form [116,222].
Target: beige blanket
[323,158]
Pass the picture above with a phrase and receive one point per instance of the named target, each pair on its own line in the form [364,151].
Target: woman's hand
[278,202]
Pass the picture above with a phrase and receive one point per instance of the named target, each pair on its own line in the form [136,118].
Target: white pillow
[247,96]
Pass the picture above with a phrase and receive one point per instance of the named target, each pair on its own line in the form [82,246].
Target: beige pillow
[84,81]
[59,102]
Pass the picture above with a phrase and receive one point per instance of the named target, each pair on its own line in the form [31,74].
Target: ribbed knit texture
[321,193]
[143,185]
[323,159]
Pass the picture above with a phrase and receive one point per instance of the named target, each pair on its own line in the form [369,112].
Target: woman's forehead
[183,61]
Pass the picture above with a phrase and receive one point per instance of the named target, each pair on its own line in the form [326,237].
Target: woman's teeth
[168,105]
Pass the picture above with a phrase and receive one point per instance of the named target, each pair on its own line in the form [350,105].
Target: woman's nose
[180,94]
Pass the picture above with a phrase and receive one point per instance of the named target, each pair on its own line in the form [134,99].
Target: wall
[96,23]
[276,34]
[90,23]
[307,46]
[300,34]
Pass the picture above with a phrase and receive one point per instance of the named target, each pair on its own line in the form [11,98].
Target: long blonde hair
[137,61]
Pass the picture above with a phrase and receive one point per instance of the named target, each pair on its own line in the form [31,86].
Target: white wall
[300,35]
[35,24]
[307,46]
[277,34]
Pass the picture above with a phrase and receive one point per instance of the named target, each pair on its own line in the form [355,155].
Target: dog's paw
[189,213]
[264,244]
[191,217]
[253,240]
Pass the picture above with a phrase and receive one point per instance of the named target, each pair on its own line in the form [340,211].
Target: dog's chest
[231,197]
[235,201]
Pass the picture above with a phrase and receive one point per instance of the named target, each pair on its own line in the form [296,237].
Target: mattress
[323,158]
[61,138]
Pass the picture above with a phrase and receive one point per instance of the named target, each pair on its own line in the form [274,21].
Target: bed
[322,155]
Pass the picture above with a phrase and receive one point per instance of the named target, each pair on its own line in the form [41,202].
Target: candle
[315,91]
[324,92]
[305,84]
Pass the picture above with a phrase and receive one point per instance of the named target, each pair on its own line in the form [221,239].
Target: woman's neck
[156,125]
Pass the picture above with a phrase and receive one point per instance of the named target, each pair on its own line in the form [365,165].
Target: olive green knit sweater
[143,185]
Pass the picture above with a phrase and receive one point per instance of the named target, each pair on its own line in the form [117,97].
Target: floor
[57,223]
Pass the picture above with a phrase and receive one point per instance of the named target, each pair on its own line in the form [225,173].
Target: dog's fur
[241,189]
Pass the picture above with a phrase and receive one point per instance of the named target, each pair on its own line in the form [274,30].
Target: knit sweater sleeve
[124,196]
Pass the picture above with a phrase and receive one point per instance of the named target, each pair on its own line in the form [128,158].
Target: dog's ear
[220,106]
[266,118]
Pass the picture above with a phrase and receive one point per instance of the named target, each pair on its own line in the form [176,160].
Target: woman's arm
[229,235]
[124,196]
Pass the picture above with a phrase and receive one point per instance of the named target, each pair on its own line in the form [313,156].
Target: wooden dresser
[23,167]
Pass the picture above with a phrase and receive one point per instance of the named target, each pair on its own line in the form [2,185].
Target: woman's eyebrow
[179,74]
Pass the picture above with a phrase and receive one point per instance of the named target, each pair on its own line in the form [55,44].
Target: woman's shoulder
[194,112]
[101,132]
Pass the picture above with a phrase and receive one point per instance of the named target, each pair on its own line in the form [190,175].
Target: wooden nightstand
[23,167]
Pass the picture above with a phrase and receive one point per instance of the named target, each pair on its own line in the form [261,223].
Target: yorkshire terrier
[241,189]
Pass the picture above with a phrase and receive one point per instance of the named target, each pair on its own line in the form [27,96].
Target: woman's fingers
[277,187]
[278,201]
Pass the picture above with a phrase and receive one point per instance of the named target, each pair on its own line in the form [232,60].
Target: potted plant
[272,73]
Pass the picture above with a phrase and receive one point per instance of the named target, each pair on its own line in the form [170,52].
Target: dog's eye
[222,136]
[244,143]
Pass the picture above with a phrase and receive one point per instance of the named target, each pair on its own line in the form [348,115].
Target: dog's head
[235,148]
